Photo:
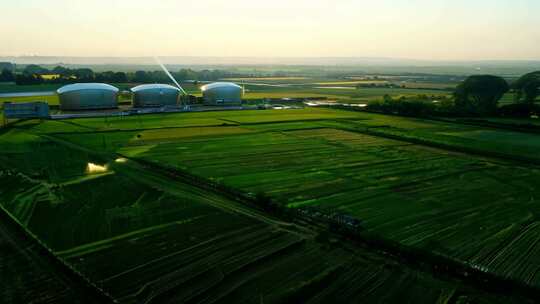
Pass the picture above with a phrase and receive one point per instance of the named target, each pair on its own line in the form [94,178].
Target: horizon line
[273,57]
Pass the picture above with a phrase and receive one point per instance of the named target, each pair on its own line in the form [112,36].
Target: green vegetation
[480,94]
[527,87]
[144,236]
[50,99]
[29,277]
[403,188]
[348,94]
[99,192]
[37,75]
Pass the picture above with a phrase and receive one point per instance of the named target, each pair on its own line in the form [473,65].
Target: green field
[143,236]
[50,99]
[315,88]
[349,94]
[342,160]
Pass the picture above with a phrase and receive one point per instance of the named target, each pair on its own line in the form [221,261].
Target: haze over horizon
[412,30]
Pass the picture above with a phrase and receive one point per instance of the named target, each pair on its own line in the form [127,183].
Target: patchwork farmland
[144,237]
[404,191]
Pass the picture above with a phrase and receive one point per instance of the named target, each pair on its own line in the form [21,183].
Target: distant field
[403,191]
[359,95]
[50,99]
[352,82]
[265,78]
[13,88]
[261,95]
[426,85]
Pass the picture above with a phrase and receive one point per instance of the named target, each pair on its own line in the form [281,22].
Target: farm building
[155,95]
[88,96]
[220,93]
[26,109]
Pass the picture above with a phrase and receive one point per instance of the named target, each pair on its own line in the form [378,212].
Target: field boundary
[431,262]
[436,264]
[438,145]
[57,264]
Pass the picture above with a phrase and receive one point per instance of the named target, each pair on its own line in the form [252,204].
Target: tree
[7,75]
[7,65]
[62,71]
[119,77]
[84,75]
[527,87]
[531,90]
[186,74]
[28,79]
[479,94]
[159,76]
[104,76]
[141,77]
[35,69]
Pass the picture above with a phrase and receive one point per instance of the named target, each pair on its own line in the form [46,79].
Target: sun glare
[94,168]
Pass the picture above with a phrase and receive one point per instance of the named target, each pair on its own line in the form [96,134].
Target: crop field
[26,276]
[144,237]
[338,160]
[14,88]
[50,99]
[333,91]
[280,79]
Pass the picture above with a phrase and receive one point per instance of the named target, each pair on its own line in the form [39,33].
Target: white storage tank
[155,95]
[88,96]
[222,93]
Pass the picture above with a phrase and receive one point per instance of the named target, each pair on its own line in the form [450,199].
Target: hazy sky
[422,29]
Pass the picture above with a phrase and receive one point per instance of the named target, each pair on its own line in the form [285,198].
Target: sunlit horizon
[418,29]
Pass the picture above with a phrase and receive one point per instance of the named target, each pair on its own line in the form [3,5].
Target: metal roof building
[155,95]
[26,109]
[88,96]
[220,93]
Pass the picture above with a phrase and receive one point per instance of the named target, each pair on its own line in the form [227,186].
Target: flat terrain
[272,87]
[27,276]
[144,236]
[333,92]
[461,191]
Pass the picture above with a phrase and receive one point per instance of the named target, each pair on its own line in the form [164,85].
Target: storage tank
[155,95]
[222,93]
[88,96]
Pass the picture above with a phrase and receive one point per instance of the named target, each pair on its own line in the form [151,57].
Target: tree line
[35,74]
[477,95]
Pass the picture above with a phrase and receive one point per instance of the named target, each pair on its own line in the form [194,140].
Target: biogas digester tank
[155,95]
[88,96]
[222,93]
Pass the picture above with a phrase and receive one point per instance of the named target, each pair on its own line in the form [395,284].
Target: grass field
[332,92]
[343,160]
[13,88]
[50,99]
[145,237]
[29,277]
[279,79]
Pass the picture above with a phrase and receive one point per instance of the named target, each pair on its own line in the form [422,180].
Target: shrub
[524,110]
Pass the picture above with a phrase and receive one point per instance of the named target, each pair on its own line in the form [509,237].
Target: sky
[412,29]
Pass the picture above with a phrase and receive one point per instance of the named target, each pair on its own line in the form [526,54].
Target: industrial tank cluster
[100,96]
